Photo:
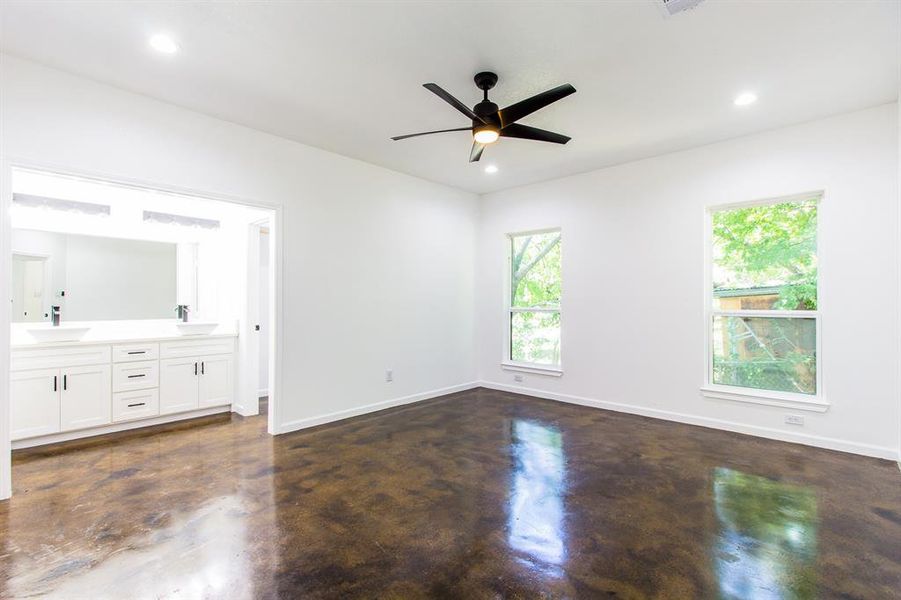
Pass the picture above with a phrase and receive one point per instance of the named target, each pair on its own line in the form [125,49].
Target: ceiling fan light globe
[486,136]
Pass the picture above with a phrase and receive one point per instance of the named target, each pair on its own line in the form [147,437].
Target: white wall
[633,272]
[377,266]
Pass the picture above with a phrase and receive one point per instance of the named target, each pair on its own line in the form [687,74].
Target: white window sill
[794,401]
[535,369]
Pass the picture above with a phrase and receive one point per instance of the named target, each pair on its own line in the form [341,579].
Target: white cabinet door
[34,399]
[216,387]
[85,397]
[179,379]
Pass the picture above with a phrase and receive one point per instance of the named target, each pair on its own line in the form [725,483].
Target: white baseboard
[375,406]
[244,412]
[764,432]
[68,436]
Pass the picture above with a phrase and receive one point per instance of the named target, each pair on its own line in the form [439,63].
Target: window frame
[507,362]
[810,402]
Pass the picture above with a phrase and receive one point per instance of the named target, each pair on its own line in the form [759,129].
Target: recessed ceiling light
[745,98]
[491,169]
[163,43]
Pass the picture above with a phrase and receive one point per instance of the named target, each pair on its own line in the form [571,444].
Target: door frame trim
[9,164]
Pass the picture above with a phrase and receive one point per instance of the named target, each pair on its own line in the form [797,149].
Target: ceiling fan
[489,123]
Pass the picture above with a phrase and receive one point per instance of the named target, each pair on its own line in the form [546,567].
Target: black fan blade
[515,112]
[436,89]
[409,135]
[476,152]
[533,133]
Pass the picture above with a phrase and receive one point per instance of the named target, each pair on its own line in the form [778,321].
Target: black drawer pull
[136,404]
[64,383]
[54,383]
[137,352]
[141,375]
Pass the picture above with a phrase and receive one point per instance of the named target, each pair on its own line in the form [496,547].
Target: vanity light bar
[170,219]
[85,208]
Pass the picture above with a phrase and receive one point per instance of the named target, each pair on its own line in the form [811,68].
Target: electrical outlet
[794,420]
[517,378]
[389,376]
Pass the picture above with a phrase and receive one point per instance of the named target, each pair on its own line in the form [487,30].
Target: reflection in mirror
[29,284]
[766,545]
[536,499]
[92,278]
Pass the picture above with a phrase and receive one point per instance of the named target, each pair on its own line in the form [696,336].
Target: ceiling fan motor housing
[487,110]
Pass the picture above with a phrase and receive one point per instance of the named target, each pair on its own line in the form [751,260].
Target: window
[533,309]
[763,322]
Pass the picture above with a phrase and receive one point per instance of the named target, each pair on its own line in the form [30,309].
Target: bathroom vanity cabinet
[91,389]
[195,374]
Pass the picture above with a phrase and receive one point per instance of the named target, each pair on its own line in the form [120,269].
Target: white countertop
[115,332]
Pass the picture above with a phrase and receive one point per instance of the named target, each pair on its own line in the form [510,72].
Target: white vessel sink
[62,333]
[196,328]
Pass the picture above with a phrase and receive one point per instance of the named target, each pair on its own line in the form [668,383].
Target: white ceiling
[345,76]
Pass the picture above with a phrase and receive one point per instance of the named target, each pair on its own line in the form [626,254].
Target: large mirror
[91,278]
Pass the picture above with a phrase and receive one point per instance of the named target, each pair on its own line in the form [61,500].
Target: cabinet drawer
[199,347]
[23,359]
[136,375]
[135,352]
[136,405]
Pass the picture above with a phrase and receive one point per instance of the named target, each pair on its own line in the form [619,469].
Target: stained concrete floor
[481,494]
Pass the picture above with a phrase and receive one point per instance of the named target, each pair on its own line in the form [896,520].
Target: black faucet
[54,315]
[182,310]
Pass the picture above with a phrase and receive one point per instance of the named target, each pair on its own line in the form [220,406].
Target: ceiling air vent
[671,7]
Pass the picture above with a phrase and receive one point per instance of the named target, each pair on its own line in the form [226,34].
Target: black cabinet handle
[141,375]
[54,383]
[64,383]
[137,352]
[202,372]
[136,404]
[195,368]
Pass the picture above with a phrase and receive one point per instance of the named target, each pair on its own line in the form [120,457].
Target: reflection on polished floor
[481,494]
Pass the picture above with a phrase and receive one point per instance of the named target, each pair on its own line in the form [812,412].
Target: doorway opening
[169,297]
